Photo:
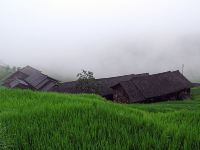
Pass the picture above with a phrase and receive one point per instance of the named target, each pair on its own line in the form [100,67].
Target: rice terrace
[99,75]
[40,120]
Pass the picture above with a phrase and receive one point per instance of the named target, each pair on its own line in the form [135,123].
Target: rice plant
[5,142]
[39,120]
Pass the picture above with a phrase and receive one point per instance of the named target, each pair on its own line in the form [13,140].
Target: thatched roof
[155,85]
[104,84]
[107,83]
[161,84]
[132,91]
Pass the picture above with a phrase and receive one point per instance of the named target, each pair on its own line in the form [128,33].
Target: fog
[108,37]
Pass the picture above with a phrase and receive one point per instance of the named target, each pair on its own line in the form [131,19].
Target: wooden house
[104,85]
[153,88]
[30,78]
[133,88]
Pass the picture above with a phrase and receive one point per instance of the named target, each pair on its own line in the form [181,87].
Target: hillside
[5,71]
[36,120]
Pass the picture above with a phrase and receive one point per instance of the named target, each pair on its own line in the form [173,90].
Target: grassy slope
[57,121]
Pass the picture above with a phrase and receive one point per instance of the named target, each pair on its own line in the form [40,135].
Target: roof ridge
[115,76]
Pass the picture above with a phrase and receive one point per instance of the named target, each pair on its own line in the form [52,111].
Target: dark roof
[29,70]
[48,86]
[17,82]
[41,84]
[104,84]
[31,76]
[132,91]
[155,85]
[35,79]
[107,83]
[161,84]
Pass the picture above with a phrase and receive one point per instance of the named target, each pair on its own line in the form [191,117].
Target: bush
[86,82]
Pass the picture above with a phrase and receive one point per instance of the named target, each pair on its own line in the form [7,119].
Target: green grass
[36,120]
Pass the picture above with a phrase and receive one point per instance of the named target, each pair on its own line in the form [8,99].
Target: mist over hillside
[5,71]
[124,56]
[107,37]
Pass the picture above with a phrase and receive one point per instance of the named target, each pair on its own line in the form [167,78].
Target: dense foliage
[86,82]
[37,120]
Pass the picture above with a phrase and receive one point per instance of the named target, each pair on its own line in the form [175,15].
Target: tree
[86,82]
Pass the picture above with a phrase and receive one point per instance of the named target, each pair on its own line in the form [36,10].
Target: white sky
[108,37]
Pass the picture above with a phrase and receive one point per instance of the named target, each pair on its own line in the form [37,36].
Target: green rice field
[50,121]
